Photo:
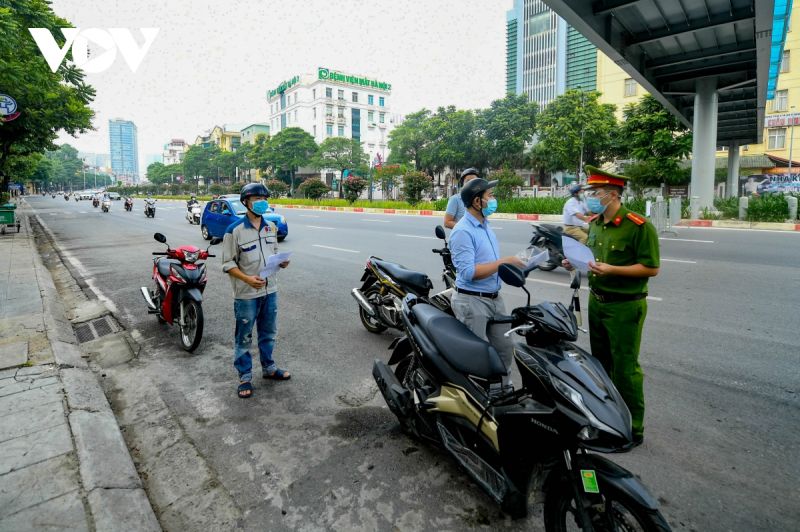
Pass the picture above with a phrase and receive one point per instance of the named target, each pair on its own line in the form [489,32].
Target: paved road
[721,356]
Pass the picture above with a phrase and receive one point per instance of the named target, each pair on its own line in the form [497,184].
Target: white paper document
[538,258]
[274,264]
[577,254]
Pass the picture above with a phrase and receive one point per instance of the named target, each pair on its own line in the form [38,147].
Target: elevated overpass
[712,63]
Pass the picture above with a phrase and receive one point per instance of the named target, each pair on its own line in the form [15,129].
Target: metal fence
[659,216]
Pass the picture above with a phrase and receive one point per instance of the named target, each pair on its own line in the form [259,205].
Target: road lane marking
[566,285]
[319,227]
[335,249]
[309,216]
[418,236]
[378,221]
[83,212]
[689,240]
[681,261]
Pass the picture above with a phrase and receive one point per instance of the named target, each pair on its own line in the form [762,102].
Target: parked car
[222,212]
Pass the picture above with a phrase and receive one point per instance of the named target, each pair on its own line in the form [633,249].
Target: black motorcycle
[548,236]
[445,389]
[128,204]
[449,271]
[385,284]
[150,208]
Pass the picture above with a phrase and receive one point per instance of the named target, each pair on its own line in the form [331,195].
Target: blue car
[222,212]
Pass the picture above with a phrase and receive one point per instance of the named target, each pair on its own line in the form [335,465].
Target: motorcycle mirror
[160,238]
[440,232]
[214,241]
[512,275]
[576,280]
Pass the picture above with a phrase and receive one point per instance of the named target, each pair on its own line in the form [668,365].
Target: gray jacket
[248,248]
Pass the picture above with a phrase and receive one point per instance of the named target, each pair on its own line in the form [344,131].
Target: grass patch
[377,204]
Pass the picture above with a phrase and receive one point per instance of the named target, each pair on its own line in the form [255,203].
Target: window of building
[313,94]
[341,131]
[381,117]
[785,61]
[371,146]
[630,87]
[329,110]
[340,112]
[355,97]
[371,117]
[777,138]
[295,115]
[315,131]
[370,99]
[315,112]
[328,92]
[329,130]
[340,94]
[381,101]
[781,101]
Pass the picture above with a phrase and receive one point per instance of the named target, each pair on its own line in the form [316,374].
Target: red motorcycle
[177,295]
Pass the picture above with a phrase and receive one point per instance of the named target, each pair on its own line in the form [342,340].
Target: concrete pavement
[63,462]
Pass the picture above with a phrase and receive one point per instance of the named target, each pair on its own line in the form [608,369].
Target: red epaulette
[635,218]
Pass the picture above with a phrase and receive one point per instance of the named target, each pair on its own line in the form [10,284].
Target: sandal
[245,390]
[278,375]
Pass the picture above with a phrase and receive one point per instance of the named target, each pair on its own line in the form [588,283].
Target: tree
[508,126]
[576,128]
[48,102]
[313,189]
[225,163]
[277,187]
[454,141]
[408,140]
[342,154]
[290,149]
[655,137]
[155,173]
[508,181]
[353,187]
[389,176]
[197,161]
[414,184]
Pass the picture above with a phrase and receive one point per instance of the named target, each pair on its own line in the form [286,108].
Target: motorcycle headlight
[574,397]
[191,256]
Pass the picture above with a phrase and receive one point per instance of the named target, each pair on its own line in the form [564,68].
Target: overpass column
[732,187]
[704,143]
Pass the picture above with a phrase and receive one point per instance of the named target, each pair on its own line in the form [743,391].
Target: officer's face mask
[594,201]
[259,207]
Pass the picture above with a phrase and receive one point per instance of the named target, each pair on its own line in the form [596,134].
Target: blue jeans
[263,313]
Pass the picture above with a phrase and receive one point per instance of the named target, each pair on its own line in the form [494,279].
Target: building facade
[250,132]
[330,103]
[174,151]
[124,149]
[225,138]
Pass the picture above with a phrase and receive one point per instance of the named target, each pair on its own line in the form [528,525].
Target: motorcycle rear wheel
[192,330]
[371,324]
[622,513]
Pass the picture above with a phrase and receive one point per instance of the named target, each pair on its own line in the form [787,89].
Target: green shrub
[277,188]
[542,205]
[414,184]
[508,181]
[769,208]
[353,187]
[376,204]
[727,207]
[313,189]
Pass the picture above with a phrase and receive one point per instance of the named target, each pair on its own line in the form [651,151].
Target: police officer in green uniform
[625,247]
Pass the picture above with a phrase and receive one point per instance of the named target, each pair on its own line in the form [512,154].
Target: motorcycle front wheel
[192,328]
[618,513]
[371,324]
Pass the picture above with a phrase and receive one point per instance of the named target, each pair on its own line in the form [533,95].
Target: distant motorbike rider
[191,202]
[576,215]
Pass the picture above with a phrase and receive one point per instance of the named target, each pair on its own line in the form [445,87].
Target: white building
[174,151]
[330,103]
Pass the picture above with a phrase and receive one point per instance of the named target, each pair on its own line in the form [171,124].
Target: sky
[212,62]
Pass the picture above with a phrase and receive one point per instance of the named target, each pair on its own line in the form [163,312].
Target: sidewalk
[63,462]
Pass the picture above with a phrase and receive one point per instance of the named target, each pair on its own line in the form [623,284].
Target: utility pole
[791,140]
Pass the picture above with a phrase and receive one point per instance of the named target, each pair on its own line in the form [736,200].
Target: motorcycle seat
[552,232]
[163,266]
[416,281]
[457,344]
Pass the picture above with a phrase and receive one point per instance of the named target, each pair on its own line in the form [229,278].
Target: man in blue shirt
[476,255]
[455,206]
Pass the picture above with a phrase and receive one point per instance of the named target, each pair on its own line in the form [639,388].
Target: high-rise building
[330,103]
[124,149]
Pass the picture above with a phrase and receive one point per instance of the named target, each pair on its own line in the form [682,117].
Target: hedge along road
[720,356]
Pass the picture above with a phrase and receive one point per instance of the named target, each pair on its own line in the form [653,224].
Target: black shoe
[638,439]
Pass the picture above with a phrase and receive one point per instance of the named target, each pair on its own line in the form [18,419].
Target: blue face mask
[595,205]
[260,207]
[491,207]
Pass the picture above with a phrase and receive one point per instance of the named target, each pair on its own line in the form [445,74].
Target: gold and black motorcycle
[385,284]
[532,441]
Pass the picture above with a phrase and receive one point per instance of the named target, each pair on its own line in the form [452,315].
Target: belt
[492,295]
[606,297]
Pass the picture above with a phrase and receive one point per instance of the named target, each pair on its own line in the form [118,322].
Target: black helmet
[474,188]
[574,189]
[253,189]
[465,173]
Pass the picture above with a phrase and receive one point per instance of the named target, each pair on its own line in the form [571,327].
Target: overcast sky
[212,62]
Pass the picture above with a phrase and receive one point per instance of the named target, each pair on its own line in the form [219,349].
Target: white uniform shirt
[572,207]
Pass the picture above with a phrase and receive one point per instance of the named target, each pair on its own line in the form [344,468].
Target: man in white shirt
[576,218]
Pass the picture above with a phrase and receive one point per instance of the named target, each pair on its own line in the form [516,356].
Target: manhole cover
[86,332]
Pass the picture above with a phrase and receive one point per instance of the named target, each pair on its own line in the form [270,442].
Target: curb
[552,218]
[112,487]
